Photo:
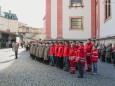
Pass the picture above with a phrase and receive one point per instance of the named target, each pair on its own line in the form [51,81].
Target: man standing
[56,53]
[15,49]
[89,47]
[51,53]
[46,53]
[72,59]
[81,59]
[60,55]
[66,56]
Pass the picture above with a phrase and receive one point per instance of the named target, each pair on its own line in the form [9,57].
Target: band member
[89,46]
[95,56]
[56,54]
[52,51]
[80,59]
[72,59]
[46,53]
[37,51]
[31,49]
[66,57]
[60,55]
[34,51]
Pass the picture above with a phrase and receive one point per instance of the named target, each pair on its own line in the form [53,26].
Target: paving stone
[27,72]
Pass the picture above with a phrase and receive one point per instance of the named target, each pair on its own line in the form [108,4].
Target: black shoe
[88,71]
[80,76]
[16,58]
[72,73]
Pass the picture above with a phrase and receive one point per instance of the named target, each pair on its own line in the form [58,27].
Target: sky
[30,12]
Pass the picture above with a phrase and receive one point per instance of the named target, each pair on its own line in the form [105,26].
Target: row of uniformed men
[63,55]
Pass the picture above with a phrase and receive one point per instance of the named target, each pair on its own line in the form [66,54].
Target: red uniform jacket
[80,54]
[56,50]
[60,51]
[71,51]
[52,50]
[66,51]
[95,55]
[89,47]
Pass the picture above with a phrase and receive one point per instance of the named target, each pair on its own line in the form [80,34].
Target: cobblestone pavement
[27,72]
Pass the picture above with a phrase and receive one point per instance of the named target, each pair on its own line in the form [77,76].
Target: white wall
[85,12]
[107,28]
[3,24]
[54,19]
[44,27]
[13,26]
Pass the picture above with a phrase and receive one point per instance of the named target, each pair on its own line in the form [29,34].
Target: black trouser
[114,58]
[22,46]
[46,62]
[55,58]
[80,68]
[60,62]
[109,60]
[57,61]
[26,48]
[103,58]
[16,55]
[76,66]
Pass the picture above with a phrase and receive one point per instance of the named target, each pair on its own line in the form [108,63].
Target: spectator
[15,49]
[99,47]
[113,51]
[108,52]
[103,52]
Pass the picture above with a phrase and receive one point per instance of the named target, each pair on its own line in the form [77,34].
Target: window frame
[70,5]
[70,27]
[106,11]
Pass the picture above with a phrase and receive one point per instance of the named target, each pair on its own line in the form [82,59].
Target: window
[76,23]
[107,9]
[76,3]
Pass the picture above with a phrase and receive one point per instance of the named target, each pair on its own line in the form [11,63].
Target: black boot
[80,76]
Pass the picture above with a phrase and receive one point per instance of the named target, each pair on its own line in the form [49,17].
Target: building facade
[8,29]
[31,34]
[70,19]
[105,21]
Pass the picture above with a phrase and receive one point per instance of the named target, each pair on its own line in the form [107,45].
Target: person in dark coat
[103,52]
[109,53]
[113,51]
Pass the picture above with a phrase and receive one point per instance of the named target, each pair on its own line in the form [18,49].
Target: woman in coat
[103,53]
[108,53]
